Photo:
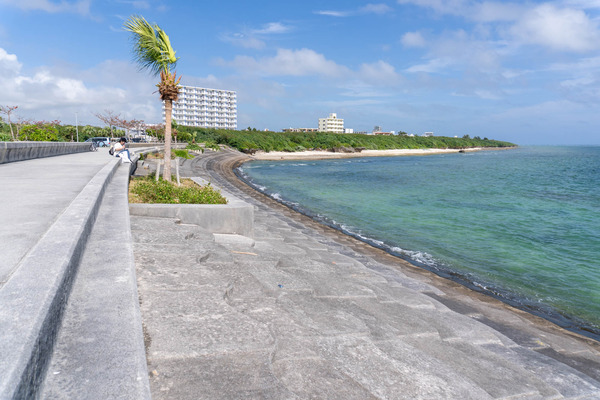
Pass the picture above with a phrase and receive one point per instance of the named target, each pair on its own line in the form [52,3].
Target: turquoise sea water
[522,225]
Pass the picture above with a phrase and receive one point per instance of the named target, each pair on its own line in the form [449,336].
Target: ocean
[522,225]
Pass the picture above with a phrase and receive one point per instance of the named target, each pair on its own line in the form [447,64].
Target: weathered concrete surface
[302,311]
[48,214]
[33,194]
[37,280]
[21,151]
[99,351]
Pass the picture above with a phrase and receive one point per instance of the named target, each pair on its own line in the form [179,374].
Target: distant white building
[331,124]
[348,130]
[428,134]
[207,108]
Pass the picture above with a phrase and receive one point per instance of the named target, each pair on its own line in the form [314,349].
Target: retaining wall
[20,151]
[235,217]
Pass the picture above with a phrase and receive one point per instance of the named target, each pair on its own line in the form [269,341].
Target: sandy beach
[319,155]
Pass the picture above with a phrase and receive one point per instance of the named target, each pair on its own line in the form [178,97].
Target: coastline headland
[301,310]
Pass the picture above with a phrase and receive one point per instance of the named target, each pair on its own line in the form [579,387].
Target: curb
[34,297]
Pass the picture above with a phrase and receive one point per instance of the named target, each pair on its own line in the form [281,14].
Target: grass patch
[147,190]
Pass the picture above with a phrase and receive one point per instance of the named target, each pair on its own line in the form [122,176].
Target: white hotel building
[331,124]
[207,108]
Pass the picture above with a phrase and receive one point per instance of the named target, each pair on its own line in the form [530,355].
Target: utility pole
[77,126]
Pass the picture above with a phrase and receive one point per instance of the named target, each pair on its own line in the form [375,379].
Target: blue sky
[526,72]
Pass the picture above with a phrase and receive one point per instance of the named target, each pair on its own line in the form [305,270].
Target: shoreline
[567,323]
[226,169]
[326,155]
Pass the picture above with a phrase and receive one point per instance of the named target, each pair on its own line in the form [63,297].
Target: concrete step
[33,299]
[99,351]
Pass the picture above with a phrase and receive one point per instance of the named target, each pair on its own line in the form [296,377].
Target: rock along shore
[303,311]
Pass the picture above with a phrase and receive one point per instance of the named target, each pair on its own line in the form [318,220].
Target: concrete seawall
[21,151]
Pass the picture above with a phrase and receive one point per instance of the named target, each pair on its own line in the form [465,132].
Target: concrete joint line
[33,299]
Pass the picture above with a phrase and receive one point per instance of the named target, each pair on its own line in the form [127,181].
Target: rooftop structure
[207,108]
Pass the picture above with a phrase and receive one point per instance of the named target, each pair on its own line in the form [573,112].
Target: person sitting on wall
[121,151]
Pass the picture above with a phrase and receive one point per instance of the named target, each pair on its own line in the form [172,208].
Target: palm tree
[152,50]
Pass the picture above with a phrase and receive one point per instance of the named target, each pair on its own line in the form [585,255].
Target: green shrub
[182,153]
[147,190]
[39,133]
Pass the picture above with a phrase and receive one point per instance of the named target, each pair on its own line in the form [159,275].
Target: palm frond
[152,48]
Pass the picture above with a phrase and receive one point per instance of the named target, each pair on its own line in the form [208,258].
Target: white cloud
[584,64]
[141,4]
[331,13]
[550,25]
[375,9]
[307,62]
[559,29]
[486,95]
[413,39]
[455,7]
[272,27]
[9,65]
[303,62]
[495,11]
[432,66]
[370,8]
[251,38]
[49,94]
[245,41]
[379,74]
[77,7]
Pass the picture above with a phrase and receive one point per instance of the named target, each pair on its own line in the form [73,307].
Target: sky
[525,71]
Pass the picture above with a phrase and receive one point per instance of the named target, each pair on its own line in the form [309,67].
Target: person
[120,149]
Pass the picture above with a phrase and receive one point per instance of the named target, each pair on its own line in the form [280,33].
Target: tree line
[250,141]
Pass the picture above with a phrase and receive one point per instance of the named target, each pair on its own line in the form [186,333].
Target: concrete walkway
[33,193]
[64,302]
[301,311]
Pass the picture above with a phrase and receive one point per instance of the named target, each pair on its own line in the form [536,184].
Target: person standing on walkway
[121,151]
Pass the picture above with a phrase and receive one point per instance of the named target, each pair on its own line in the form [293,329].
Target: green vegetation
[249,141]
[147,190]
[194,146]
[182,154]
[51,131]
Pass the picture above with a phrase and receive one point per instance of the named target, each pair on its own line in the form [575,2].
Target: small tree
[109,118]
[41,132]
[9,110]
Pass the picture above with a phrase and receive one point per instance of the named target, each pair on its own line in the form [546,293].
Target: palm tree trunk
[168,111]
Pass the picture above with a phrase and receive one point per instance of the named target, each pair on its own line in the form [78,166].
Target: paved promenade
[301,311]
[70,326]
[33,193]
